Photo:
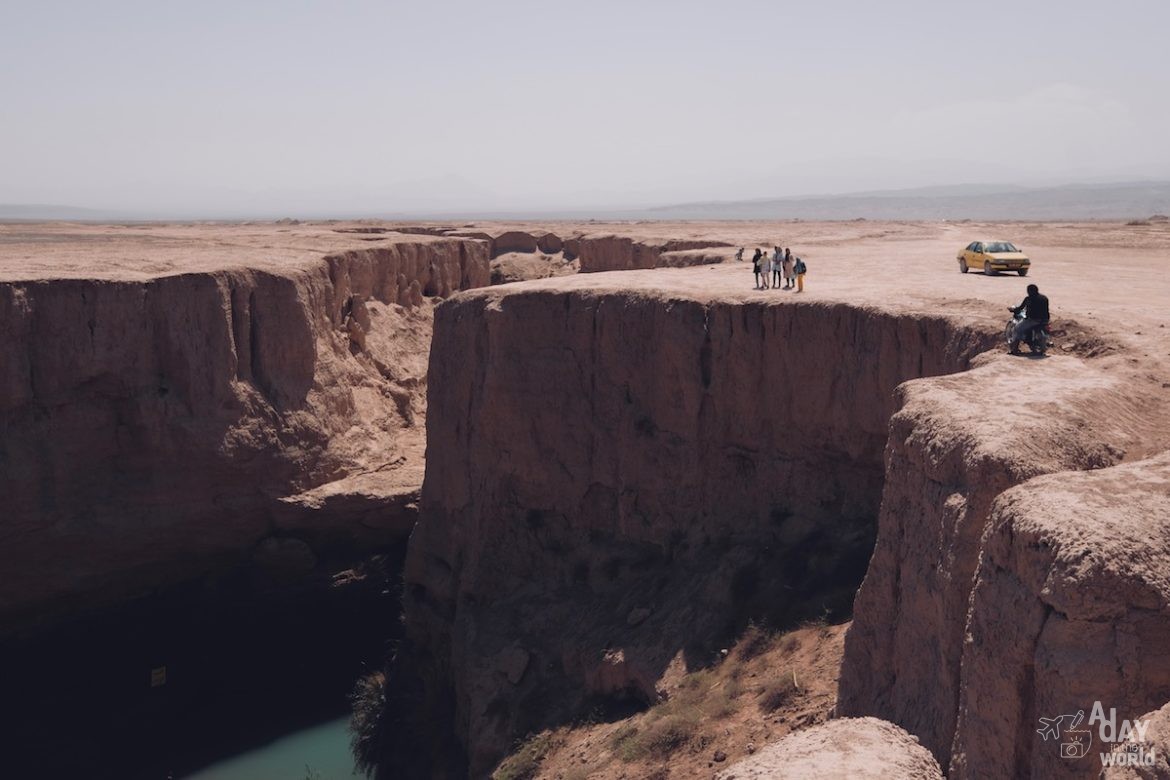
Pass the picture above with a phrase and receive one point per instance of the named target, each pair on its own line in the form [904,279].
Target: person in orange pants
[801,269]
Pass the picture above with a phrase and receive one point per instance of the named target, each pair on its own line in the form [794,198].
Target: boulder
[843,749]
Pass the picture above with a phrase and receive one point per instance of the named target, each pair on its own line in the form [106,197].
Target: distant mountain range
[979,202]
[1127,200]
[47,211]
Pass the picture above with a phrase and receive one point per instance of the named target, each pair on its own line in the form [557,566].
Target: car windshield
[999,246]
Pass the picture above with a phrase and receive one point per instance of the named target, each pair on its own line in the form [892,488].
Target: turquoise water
[317,753]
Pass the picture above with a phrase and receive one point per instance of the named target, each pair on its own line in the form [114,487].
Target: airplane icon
[1050,727]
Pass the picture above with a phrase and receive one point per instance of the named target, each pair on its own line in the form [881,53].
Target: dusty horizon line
[719,209]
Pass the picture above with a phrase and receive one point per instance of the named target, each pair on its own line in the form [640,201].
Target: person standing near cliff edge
[789,274]
[776,266]
[759,270]
[801,269]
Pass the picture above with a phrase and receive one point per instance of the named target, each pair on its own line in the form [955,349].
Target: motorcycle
[1038,340]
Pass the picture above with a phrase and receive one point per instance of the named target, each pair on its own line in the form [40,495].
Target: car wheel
[987,268]
[963,266]
[1023,272]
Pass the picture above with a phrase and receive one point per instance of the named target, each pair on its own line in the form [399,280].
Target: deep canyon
[535,499]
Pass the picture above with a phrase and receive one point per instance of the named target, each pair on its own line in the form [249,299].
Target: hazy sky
[217,107]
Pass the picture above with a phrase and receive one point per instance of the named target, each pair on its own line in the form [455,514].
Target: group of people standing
[781,264]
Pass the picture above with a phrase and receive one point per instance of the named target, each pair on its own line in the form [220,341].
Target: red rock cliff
[619,253]
[614,477]
[952,449]
[153,424]
[984,608]
[1070,607]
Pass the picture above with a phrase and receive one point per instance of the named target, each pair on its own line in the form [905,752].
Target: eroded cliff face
[616,480]
[521,255]
[953,448]
[1070,607]
[620,253]
[600,507]
[156,428]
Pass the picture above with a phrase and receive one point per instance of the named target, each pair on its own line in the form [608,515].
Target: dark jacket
[1036,306]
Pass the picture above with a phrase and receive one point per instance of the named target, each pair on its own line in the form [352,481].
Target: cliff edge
[168,416]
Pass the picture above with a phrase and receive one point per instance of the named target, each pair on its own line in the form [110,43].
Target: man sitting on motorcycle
[1036,306]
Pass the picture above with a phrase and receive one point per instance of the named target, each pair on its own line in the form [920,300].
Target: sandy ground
[1107,271]
[1105,274]
[1109,276]
[64,250]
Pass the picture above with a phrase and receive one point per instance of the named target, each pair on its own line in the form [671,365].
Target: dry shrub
[779,692]
[719,704]
[664,730]
[754,642]
[666,735]
[625,742]
[524,762]
[820,624]
[365,725]
[694,681]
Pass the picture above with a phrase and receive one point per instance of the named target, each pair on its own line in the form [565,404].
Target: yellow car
[993,257]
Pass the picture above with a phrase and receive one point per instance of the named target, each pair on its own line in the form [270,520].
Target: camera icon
[1076,744]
